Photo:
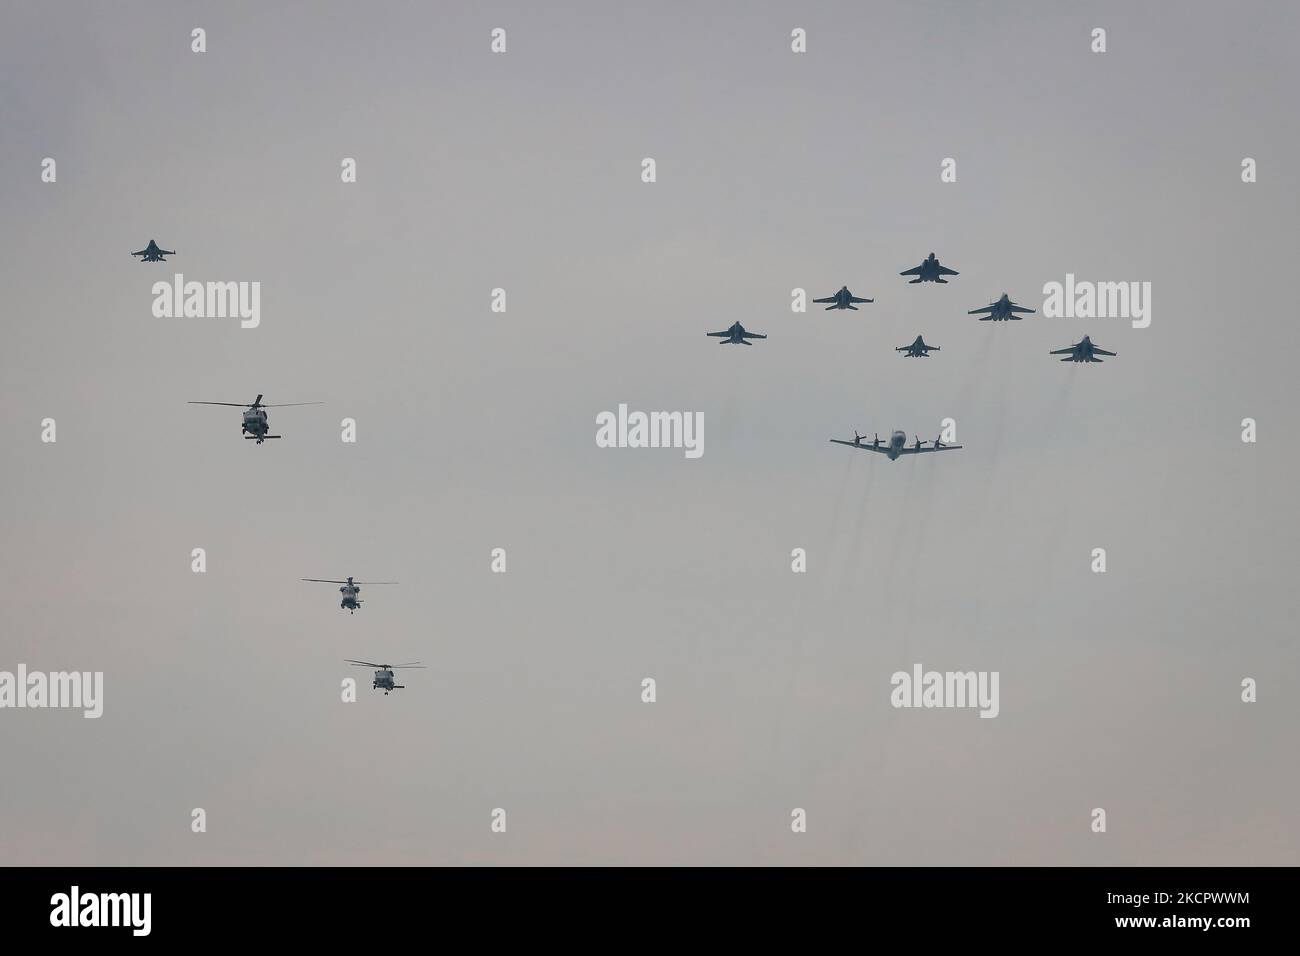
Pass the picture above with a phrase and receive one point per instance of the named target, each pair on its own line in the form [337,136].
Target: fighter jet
[1083,351]
[843,299]
[1003,310]
[930,271]
[917,349]
[897,445]
[151,253]
[736,335]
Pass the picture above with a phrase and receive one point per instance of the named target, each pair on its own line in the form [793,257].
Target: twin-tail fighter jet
[1083,351]
[931,270]
[917,349]
[896,446]
[844,299]
[151,253]
[736,335]
[1003,310]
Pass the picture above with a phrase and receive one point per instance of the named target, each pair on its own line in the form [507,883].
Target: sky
[476,430]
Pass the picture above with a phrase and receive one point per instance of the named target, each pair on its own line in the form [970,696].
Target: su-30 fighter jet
[151,253]
[844,299]
[1083,351]
[897,445]
[917,349]
[736,335]
[931,270]
[1003,310]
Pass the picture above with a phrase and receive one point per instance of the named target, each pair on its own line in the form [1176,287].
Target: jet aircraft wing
[945,271]
[916,271]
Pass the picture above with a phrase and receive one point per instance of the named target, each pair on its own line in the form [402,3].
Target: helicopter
[384,674]
[255,424]
[351,591]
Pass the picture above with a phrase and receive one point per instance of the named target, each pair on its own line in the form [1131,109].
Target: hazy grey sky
[476,430]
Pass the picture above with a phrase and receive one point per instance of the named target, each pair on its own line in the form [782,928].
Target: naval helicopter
[351,591]
[255,424]
[384,674]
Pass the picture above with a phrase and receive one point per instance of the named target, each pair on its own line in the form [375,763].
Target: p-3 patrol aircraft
[151,253]
[384,674]
[255,424]
[351,591]
[897,445]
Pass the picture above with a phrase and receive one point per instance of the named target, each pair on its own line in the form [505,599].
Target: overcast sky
[477,430]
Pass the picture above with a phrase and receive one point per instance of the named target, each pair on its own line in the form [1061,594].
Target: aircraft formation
[1004,309]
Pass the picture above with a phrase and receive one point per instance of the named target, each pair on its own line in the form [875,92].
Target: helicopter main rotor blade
[290,404]
[375,582]
[231,404]
[325,581]
[413,664]
[362,663]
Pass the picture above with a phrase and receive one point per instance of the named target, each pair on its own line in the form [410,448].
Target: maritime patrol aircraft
[897,445]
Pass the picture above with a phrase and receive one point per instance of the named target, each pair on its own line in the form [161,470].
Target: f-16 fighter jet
[917,349]
[151,253]
[843,299]
[897,445]
[930,271]
[736,335]
[1083,351]
[1003,310]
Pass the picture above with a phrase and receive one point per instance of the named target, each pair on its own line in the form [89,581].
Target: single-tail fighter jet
[1083,351]
[1003,310]
[844,299]
[151,253]
[931,270]
[917,349]
[736,335]
[897,445]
